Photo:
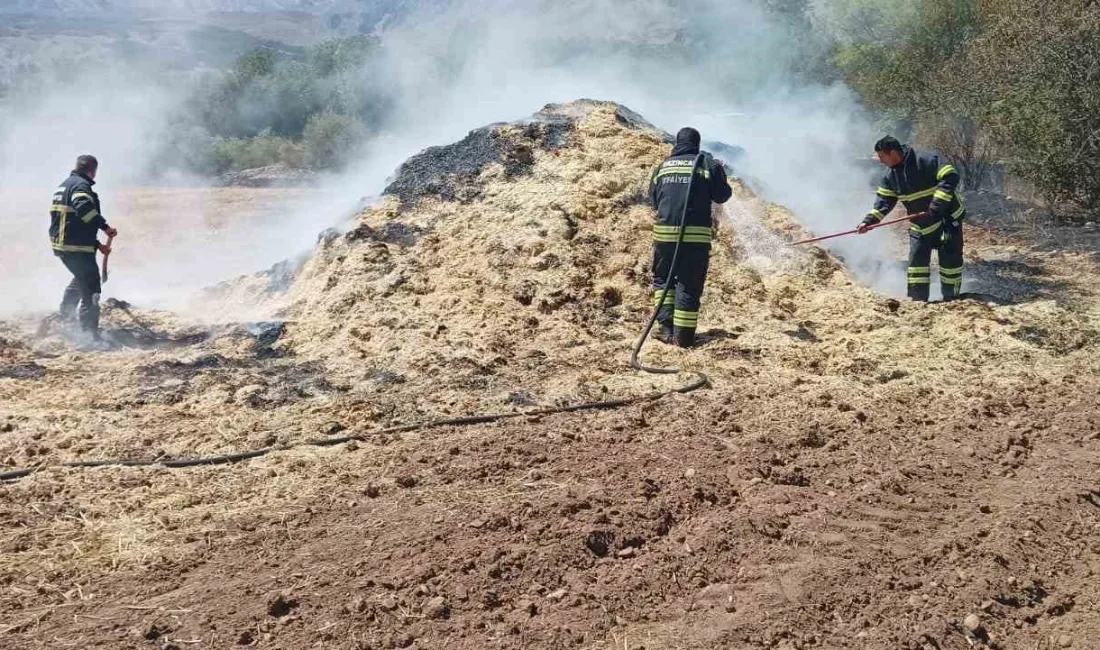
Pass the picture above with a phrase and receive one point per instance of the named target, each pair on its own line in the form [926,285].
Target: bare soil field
[860,472]
[172,242]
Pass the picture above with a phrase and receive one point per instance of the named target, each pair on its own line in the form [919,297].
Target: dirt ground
[860,473]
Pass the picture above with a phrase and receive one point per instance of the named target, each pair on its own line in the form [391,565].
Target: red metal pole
[881,224]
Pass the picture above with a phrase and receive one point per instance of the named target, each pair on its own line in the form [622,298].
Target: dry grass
[533,291]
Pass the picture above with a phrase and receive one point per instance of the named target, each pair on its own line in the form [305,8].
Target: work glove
[866,224]
[105,249]
[111,232]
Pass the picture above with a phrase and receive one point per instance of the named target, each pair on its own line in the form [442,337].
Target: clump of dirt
[29,370]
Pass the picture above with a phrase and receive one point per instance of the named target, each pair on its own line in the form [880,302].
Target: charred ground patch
[450,172]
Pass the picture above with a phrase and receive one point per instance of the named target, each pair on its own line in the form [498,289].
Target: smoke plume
[733,69]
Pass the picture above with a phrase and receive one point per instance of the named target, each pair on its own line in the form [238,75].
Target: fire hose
[700,380]
[226,459]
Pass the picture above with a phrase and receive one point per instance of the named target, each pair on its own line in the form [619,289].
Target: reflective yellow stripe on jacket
[927,231]
[64,248]
[923,194]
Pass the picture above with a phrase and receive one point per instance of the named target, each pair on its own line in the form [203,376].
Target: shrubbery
[272,107]
[330,140]
[983,81]
[1037,65]
[1009,80]
[234,154]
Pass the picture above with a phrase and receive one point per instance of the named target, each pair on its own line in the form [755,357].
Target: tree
[331,140]
[898,55]
[1038,63]
[891,51]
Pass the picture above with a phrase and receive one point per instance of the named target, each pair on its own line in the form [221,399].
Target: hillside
[174,36]
[185,6]
[859,473]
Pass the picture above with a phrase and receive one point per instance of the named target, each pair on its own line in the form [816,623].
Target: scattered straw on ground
[807,488]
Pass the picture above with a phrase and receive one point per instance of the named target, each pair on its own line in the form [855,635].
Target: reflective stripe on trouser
[663,234]
[83,290]
[949,243]
[669,299]
[691,276]
[920,260]
[951,261]
[687,319]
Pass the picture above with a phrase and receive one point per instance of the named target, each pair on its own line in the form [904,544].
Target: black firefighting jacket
[75,216]
[923,183]
[668,190]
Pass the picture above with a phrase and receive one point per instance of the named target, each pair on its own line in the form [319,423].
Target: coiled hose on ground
[696,383]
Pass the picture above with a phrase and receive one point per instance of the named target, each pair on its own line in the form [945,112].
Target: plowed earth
[860,473]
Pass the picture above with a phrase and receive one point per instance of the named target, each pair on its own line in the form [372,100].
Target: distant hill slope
[202,6]
[176,34]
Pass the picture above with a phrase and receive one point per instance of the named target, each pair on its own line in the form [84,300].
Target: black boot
[69,303]
[950,291]
[685,337]
[666,334]
[89,315]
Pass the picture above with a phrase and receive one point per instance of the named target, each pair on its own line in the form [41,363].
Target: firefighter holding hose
[75,220]
[929,189]
[678,312]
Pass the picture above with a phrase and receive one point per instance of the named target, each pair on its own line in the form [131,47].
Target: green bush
[979,80]
[235,154]
[330,140]
[277,92]
[1037,63]
[1014,80]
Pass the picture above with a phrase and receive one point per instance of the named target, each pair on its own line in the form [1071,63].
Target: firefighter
[926,186]
[679,314]
[75,219]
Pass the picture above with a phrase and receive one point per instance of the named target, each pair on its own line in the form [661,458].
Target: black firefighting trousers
[681,307]
[83,290]
[948,240]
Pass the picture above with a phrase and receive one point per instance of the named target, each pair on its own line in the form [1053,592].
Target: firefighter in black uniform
[75,220]
[927,186]
[679,315]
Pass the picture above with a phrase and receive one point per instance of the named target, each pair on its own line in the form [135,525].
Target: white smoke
[727,68]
